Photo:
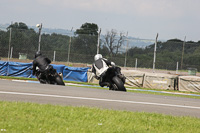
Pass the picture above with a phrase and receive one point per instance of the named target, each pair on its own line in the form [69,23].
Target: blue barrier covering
[59,68]
[3,68]
[18,69]
[75,74]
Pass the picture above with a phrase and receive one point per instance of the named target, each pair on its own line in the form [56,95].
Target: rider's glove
[93,74]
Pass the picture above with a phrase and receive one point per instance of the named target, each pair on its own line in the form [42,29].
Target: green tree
[17,25]
[84,45]
[88,29]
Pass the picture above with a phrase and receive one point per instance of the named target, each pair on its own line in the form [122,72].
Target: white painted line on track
[98,99]
[19,80]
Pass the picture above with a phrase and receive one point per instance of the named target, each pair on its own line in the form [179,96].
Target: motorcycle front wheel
[59,80]
[118,84]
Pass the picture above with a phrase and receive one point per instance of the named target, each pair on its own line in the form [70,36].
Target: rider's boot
[120,75]
[102,84]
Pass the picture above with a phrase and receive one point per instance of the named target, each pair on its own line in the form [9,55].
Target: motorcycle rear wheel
[118,82]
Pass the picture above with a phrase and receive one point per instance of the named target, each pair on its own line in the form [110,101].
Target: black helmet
[38,53]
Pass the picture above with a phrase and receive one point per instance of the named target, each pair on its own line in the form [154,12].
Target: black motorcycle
[49,77]
[115,79]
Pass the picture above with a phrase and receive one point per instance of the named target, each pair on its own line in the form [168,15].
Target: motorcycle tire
[42,81]
[118,82]
[59,80]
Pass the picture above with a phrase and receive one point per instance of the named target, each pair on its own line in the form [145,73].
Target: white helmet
[98,56]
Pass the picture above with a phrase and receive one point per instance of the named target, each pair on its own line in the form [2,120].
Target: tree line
[83,46]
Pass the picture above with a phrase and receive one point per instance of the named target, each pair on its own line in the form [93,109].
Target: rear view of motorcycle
[115,79]
[50,77]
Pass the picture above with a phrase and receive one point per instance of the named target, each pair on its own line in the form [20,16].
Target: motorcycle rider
[42,63]
[100,67]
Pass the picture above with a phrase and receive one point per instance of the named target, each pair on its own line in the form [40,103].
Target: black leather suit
[42,63]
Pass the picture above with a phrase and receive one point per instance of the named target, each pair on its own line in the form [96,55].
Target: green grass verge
[35,118]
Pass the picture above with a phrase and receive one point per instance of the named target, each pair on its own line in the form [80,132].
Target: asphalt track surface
[83,96]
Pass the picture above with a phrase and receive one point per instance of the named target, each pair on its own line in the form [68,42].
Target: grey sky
[141,18]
